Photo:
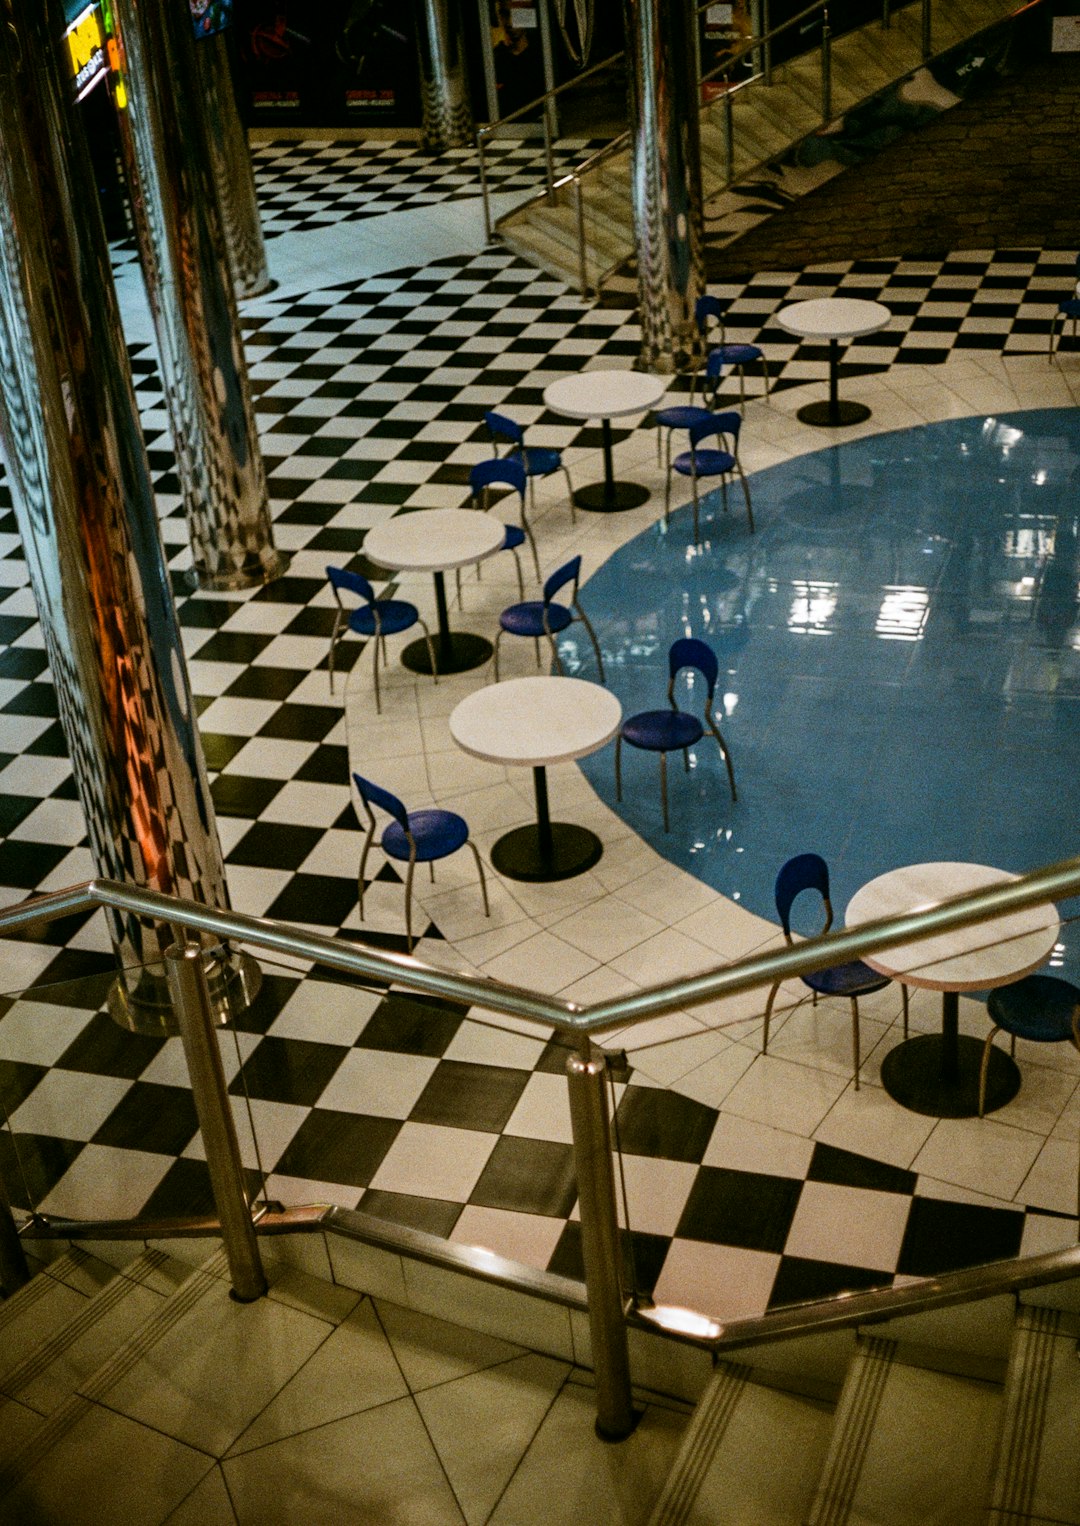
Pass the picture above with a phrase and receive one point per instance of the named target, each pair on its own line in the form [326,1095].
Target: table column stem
[609,465]
[834,388]
[543,817]
[446,645]
[950,1037]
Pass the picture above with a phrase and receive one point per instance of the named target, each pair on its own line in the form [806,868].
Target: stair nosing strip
[684,1481]
[876,1356]
[1014,1486]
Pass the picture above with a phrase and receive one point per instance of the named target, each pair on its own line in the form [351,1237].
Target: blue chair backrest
[504,428]
[567,573]
[705,308]
[689,652]
[715,364]
[806,871]
[371,794]
[352,581]
[509,472]
[728,423]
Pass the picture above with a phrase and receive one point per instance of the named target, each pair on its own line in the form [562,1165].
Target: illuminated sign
[210,16]
[86,48]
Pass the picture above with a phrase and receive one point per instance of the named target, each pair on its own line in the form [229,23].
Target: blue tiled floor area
[899,659]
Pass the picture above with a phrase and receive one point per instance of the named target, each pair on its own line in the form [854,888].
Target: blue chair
[1041,1008]
[686,415]
[711,310]
[544,617]
[665,731]
[720,460]
[511,474]
[538,460]
[413,837]
[809,871]
[374,619]
[1068,309]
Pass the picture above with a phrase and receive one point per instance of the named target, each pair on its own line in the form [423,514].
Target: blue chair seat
[1070,306]
[737,354]
[542,460]
[515,537]
[436,834]
[528,619]
[394,615]
[709,463]
[1039,1007]
[662,730]
[682,416]
[854,979]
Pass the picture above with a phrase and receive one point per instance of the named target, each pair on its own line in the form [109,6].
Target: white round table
[531,722]
[435,541]
[833,318]
[938,1073]
[606,395]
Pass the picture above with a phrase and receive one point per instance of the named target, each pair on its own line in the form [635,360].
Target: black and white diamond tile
[370,396]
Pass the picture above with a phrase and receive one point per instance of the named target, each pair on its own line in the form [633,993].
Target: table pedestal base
[599,498]
[522,854]
[462,652]
[831,416]
[912,1075]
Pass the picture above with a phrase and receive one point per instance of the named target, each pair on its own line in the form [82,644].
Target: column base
[825,415]
[253,574]
[599,498]
[233,976]
[520,856]
[911,1074]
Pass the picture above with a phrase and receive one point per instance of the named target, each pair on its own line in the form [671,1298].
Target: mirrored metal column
[666,179]
[443,84]
[170,164]
[233,174]
[86,515]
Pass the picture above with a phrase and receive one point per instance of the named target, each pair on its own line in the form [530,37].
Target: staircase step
[1037,1472]
[909,1446]
[750,1457]
[51,1298]
[60,1362]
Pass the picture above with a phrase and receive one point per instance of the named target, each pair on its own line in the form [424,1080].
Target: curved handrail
[1051,883]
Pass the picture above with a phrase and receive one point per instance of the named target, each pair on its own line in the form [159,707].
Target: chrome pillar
[586,1082]
[233,174]
[444,88]
[665,180]
[194,1016]
[86,515]
[165,142]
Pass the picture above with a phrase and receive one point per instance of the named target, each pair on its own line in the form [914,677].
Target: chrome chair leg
[408,902]
[727,760]
[360,872]
[335,637]
[746,495]
[855,1037]
[378,701]
[768,1015]
[570,494]
[431,651]
[483,878]
[663,789]
[495,652]
[586,622]
[984,1068]
[618,766]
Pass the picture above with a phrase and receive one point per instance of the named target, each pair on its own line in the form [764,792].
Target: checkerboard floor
[370,397]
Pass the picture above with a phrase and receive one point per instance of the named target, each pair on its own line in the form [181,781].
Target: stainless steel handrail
[1052,883]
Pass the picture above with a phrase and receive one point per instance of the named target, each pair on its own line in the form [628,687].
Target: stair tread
[37,1310]
[1038,1469]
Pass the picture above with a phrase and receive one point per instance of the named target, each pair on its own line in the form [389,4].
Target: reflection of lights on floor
[903,614]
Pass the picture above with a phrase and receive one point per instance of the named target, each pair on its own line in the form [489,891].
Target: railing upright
[729,135]
[927,47]
[583,271]
[826,69]
[886,15]
[481,144]
[195,1018]
[586,1074]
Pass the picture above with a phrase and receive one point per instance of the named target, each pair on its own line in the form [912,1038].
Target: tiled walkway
[751,1181]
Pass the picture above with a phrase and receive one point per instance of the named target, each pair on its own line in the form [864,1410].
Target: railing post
[583,272]
[586,1081]
[826,69]
[729,134]
[481,141]
[886,15]
[195,1019]
[14,1272]
[766,30]
[549,157]
[927,48]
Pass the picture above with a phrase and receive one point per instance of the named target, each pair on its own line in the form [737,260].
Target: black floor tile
[185,1190]
[26,864]
[50,744]
[338,1147]
[161,1119]
[233,646]
[274,845]
[846,1169]
[528,1176]
[655,1122]
[239,795]
[264,683]
[17,1081]
[13,809]
[421,1025]
[301,723]
[643,1257]
[328,764]
[433,1215]
[32,1164]
[104,1049]
[740,1208]
[943,1236]
[220,750]
[465,1096]
[87,972]
[260,1014]
[319,898]
[288,1070]
[801,1281]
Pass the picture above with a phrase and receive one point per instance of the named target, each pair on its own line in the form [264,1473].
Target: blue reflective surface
[900,660]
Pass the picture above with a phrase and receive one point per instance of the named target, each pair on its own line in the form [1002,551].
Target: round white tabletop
[968,958]
[833,318]
[937,1074]
[535,721]
[531,722]
[606,395]
[434,540]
